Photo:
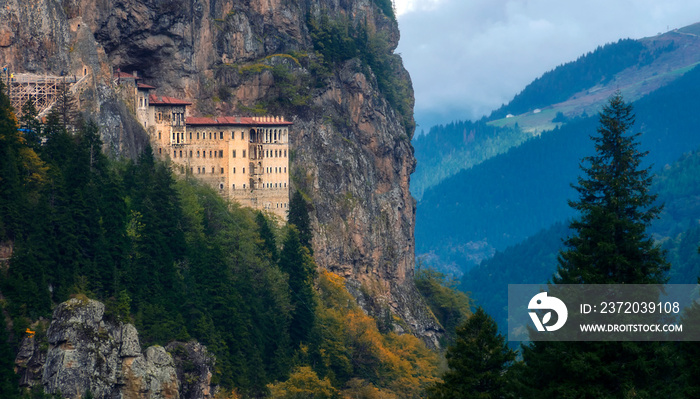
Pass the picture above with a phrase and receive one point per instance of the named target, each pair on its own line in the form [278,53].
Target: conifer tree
[31,124]
[610,245]
[478,360]
[299,217]
[269,245]
[296,261]
[8,378]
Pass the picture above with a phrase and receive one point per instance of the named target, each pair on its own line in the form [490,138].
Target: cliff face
[351,154]
[84,352]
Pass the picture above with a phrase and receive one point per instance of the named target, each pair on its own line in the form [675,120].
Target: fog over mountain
[466,58]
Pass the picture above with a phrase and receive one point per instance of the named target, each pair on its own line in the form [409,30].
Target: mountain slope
[635,67]
[329,67]
[534,260]
[572,90]
[510,197]
[447,149]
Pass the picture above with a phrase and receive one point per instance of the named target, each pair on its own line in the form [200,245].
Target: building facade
[243,158]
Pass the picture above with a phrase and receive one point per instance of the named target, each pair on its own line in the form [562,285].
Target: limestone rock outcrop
[88,353]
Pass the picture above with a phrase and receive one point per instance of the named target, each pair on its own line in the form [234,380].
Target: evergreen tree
[479,360]
[299,217]
[269,244]
[296,261]
[609,245]
[31,124]
[8,378]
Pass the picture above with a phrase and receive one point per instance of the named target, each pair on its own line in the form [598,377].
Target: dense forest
[510,197]
[180,262]
[448,149]
[534,260]
[598,66]
[608,241]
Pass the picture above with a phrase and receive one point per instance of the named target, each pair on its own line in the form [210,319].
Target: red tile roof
[144,86]
[236,121]
[163,100]
[124,75]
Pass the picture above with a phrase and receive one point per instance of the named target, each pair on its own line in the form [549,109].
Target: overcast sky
[467,57]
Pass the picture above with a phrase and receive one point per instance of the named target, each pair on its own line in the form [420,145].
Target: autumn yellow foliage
[357,357]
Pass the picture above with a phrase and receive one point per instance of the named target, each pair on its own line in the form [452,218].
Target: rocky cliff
[327,65]
[83,351]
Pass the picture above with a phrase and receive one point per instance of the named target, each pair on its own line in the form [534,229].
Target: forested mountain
[330,68]
[572,90]
[509,197]
[181,263]
[579,88]
[447,149]
[561,83]
[534,260]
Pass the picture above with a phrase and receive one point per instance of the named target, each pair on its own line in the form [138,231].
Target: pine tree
[8,378]
[299,217]
[31,125]
[269,245]
[479,360]
[296,261]
[610,245]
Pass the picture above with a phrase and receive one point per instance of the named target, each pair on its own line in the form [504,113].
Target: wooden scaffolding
[43,89]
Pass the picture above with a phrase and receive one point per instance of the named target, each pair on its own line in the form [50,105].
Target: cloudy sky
[467,57]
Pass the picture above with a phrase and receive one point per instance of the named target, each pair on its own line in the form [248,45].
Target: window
[204,154]
[158,135]
[243,185]
[212,169]
[222,171]
[285,185]
[221,135]
[190,153]
[242,135]
[199,170]
[285,169]
[210,154]
[234,154]
[234,170]
[174,154]
[204,170]
[243,153]
[243,173]
[197,153]
[221,186]
[221,153]
[197,135]
[233,135]
[234,186]
[160,151]
[209,135]
[173,136]
[180,153]
[285,153]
